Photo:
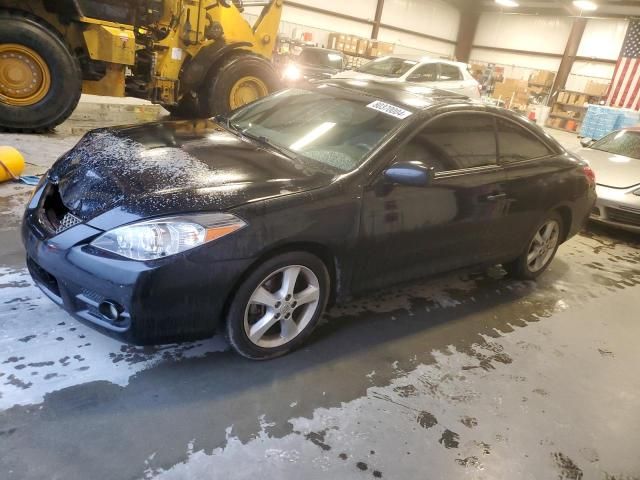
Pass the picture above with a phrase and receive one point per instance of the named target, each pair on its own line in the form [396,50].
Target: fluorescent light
[585,5]
[508,3]
[312,135]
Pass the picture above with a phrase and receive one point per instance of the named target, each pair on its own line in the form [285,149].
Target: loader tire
[238,80]
[40,80]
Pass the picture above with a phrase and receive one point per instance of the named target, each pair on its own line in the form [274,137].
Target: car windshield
[388,67]
[624,142]
[321,58]
[326,125]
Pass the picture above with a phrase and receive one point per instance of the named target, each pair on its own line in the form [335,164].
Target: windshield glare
[333,129]
[388,67]
[624,142]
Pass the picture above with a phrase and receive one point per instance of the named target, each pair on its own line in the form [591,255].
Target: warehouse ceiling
[606,8]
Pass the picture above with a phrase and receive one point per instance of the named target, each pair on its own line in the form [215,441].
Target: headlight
[43,179]
[158,238]
[292,72]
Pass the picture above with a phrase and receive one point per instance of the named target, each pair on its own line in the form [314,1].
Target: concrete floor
[469,375]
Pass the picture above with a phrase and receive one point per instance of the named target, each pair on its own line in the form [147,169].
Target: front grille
[623,216]
[43,277]
[69,220]
[595,211]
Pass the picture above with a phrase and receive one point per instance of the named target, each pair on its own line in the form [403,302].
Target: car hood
[352,74]
[314,72]
[166,168]
[612,170]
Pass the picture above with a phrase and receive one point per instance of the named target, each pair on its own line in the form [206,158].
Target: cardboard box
[335,40]
[350,45]
[596,88]
[363,46]
[512,91]
[380,49]
[542,77]
[385,48]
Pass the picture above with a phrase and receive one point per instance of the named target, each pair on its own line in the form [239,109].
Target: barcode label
[389,109]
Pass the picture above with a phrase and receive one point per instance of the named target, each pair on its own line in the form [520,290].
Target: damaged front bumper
[181,297]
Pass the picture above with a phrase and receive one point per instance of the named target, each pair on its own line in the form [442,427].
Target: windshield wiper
[260,139]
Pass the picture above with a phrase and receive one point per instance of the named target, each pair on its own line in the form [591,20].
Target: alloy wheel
[543,246]
[282,306]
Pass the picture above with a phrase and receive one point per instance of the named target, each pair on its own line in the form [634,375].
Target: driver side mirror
[411,174]
[586,142]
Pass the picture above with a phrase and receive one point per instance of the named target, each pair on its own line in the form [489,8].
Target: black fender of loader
[195,72]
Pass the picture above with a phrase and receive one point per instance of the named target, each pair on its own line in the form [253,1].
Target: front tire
[278,305]
[541,250]
[40,80]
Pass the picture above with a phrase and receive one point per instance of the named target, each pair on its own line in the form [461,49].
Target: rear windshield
[388,67]
[624,142]
[324,125]
[321,58]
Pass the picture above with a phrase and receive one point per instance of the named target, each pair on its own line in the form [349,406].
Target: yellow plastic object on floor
[11,164]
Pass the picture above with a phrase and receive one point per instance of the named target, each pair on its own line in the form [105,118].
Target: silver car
[615,159]
[419,71]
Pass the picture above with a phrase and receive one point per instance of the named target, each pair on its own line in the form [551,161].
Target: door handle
[496,196]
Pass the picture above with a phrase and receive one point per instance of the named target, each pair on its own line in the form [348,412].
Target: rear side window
[460,140]
[425,73]
[449,72]
[517,143]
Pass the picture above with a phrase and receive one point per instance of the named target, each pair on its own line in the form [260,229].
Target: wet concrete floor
[468,375]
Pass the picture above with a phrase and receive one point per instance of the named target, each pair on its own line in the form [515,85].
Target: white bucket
[542,114]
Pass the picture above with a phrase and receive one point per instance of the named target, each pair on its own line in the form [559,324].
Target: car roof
[320,49]
[412,97]
[422,60]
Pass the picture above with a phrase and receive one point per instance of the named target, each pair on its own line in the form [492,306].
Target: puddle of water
[43,349]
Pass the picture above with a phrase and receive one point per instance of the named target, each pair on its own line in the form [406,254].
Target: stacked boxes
[512,89]
[542,78]
[380,49]
[353,45]
[362,46]
[600,120]
[572,98]
[337,41]
[596,89]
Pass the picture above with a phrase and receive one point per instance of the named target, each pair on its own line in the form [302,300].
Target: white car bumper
[617,207]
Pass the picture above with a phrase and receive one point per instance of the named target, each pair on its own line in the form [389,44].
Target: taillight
[590,174]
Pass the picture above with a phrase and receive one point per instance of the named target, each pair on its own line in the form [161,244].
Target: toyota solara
[253,223]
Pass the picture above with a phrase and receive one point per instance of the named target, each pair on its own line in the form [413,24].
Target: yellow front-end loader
[197,58]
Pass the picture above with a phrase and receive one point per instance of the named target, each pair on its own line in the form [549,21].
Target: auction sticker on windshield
[389,109]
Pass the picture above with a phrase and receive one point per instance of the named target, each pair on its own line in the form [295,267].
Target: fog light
[110,311]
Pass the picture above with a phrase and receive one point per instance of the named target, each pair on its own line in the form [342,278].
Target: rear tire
[266,319]
[62,71]
[541,250]
[216,93]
